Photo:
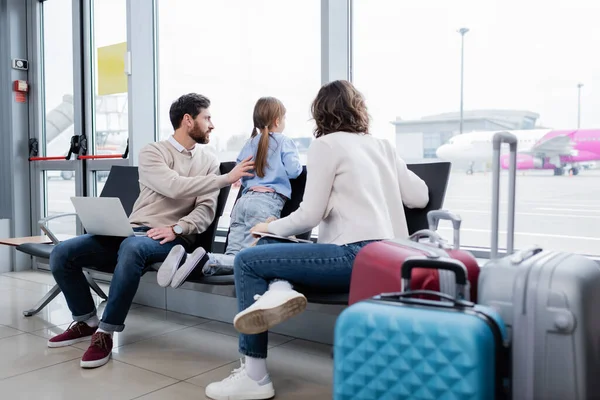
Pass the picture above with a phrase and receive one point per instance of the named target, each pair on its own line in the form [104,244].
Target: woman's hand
[263,227]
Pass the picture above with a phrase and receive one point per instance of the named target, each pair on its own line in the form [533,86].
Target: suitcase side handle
[426,233]
[525,254]
[433,237]
[434,217]
[408,295]
[449,264]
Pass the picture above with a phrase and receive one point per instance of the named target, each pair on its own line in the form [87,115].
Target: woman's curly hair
[339,107]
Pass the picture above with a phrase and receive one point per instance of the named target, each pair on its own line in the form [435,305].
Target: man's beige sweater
[177,188]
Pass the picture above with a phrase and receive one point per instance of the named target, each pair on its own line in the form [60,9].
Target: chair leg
[95,286]
[55,291]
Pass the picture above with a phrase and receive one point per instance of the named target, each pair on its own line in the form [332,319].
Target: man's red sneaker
[99,351]
[75,333]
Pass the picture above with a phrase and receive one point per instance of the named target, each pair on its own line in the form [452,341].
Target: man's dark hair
[192,104]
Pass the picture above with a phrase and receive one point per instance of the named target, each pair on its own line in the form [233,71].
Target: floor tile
[169,316]
[6,331]
[15,301]
[68,381]
[295,375]
[39,276]
[179,391]
[181,354]
[228,329]
[156,349]
[8,281]
[26,352]
[305,346]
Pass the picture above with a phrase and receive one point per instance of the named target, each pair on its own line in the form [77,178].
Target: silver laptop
[103,216]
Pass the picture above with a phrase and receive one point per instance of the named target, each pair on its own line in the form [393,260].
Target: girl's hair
[339,107]
[266,112]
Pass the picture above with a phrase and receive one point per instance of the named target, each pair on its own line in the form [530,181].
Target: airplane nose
[442,152]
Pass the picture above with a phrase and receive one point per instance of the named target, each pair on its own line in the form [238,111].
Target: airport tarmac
[558,213]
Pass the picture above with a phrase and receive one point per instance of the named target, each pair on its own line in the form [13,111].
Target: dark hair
[192,104]
[266,112]
[339,107]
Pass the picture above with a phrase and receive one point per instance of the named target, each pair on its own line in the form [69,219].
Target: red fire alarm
[21,86]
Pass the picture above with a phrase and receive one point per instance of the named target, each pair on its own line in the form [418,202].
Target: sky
[527,54]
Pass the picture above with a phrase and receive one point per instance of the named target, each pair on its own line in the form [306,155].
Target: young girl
[276,161]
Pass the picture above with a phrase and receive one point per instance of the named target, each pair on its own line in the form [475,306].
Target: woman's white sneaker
[270,309]
[239,386]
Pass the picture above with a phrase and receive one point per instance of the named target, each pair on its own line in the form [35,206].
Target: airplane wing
[557,145]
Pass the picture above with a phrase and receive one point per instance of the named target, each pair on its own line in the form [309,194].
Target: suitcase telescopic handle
[435,216]
[498,140]
[449,264]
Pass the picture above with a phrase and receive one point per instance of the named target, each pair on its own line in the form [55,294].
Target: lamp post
[579,86]
[463,32]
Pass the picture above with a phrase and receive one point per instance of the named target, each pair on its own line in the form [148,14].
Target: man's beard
[199,136]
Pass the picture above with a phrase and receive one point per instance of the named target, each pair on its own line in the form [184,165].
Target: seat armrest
[44,226]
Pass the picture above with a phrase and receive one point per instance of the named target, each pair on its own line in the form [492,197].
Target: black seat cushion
[41,250]
[325,298]
[219,280]
[313,296]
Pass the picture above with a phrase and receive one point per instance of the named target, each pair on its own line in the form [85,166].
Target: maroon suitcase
[377,266]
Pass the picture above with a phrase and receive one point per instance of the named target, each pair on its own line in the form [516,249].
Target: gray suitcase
[550,303]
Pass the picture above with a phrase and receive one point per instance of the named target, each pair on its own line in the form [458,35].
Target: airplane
[558,150]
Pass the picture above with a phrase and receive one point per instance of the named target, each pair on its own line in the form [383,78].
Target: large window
[60,187]
[524,63]
[57,108]
[234,52]
[110,101]
[58,77]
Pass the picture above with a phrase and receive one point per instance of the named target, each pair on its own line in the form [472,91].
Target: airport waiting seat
[436,175]
[122,183]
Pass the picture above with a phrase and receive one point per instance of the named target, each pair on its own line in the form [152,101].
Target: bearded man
[179,186]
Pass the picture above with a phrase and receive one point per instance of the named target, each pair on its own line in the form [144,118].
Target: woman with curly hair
[355,189]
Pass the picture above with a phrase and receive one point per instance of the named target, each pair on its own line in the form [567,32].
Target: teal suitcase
[396,346]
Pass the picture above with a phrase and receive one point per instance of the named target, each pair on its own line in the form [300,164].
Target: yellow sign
[111,69]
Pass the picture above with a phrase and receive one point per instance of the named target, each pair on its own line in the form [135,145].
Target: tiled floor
[160,355]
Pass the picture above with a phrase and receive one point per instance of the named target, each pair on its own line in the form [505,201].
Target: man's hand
[166,234]
[241,170]
[262,227]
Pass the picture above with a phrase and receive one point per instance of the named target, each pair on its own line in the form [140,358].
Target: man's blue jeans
[318,266]
[130,256]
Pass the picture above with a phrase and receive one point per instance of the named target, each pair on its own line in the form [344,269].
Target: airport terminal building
[418,140]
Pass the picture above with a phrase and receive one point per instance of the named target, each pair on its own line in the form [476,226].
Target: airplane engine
[524,161]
